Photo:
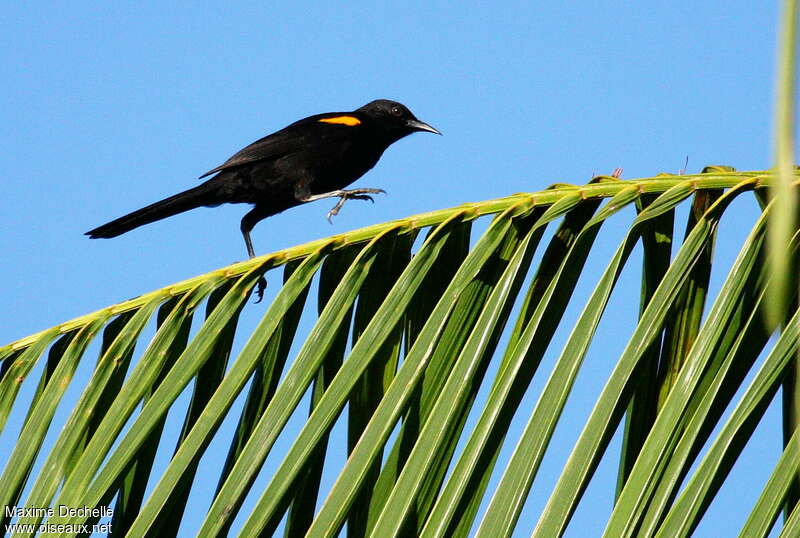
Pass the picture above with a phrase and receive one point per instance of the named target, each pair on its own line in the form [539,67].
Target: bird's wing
[270,147]
[295,137]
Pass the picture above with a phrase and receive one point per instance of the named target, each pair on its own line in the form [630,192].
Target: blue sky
[107,108]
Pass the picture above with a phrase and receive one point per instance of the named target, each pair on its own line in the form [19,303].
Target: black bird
[314,158]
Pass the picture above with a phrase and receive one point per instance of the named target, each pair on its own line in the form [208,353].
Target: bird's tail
[199,196]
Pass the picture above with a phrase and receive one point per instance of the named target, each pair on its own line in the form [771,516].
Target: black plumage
[313,158]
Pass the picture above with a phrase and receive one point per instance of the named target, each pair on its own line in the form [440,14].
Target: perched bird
[314,158]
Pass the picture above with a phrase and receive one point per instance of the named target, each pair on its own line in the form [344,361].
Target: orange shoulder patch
[342,120]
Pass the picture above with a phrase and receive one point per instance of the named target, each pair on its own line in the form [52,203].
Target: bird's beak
[422,126]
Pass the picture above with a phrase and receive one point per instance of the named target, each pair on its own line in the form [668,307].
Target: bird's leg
[249,244]
[248,222]
[343,195]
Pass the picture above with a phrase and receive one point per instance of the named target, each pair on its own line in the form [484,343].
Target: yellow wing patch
[343,120]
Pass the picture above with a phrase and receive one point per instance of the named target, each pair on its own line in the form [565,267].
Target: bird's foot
[261,285]
[353,194]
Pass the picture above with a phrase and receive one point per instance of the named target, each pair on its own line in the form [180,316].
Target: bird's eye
[397,111]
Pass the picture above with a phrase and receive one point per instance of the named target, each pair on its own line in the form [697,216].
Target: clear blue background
[104,109]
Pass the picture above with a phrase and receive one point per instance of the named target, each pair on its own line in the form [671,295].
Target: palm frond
[432,351]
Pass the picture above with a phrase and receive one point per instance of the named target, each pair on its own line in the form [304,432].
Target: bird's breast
[337,166]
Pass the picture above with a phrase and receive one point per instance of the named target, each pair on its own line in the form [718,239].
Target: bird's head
[393,118]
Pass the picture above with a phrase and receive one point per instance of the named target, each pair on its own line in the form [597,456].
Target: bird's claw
[355,194]
[261,285]
[369,190]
